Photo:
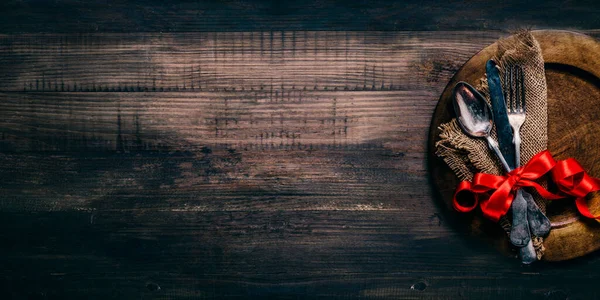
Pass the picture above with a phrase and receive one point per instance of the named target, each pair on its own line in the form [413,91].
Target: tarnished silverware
[475,117]
[519,232]
[527,216]
[514,91]
[519,235]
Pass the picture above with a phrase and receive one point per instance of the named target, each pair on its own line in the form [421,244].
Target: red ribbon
[569,176]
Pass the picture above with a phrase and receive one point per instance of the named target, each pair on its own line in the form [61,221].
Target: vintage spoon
[475,118]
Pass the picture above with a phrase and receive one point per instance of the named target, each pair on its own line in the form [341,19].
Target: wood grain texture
[76,16]
[258,164]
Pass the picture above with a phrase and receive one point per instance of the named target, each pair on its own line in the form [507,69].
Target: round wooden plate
[572,63]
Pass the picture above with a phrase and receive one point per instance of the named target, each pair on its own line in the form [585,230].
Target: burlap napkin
[467,156]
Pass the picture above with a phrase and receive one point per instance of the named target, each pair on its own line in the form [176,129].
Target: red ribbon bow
[569,176]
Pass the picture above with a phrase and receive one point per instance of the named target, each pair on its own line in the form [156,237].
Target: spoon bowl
[472,111]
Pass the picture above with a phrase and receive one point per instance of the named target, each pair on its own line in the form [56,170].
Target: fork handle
[517,142]
[539,224]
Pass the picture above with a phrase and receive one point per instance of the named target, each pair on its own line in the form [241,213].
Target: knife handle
[539,224]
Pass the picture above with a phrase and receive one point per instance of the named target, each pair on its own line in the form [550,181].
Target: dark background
[74,16]
[268,242]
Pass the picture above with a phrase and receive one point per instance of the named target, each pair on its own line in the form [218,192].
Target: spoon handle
[494,146]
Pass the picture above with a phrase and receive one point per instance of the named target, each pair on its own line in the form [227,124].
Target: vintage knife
[520,229]
[503,128]
[519,235]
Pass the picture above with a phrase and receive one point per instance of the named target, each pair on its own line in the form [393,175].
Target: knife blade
[504,131]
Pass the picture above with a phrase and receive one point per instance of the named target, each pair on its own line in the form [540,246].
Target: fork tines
[514,92]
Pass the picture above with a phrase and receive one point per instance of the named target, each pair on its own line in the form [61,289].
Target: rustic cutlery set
[507,112]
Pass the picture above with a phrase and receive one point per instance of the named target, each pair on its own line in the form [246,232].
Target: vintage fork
[516,108]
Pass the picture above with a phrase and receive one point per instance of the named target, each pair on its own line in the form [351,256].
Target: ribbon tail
[584,209]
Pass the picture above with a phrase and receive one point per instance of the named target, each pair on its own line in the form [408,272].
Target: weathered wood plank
[222,180]
[335,254]
[189,121]
[69,16]
[276,64]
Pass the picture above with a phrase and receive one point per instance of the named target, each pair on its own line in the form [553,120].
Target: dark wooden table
[158,150]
